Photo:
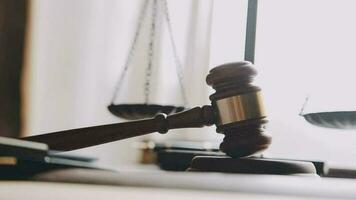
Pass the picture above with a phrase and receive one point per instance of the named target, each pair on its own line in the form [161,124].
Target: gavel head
[239,109]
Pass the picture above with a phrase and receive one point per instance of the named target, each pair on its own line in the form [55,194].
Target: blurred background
[60,61]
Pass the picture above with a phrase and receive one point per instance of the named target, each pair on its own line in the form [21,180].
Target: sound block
[250,165]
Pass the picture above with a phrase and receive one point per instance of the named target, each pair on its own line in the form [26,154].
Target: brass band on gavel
[240,107]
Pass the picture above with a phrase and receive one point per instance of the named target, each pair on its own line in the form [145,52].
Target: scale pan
[141,111]
[337,119]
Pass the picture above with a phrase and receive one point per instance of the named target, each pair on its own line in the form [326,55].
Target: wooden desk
[174,185]
[14,190]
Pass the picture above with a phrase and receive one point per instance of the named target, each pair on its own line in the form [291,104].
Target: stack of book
[21,159]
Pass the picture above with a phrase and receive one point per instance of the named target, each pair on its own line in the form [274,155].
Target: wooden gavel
[236,109]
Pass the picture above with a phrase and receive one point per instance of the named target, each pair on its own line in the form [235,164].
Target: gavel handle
[85,137]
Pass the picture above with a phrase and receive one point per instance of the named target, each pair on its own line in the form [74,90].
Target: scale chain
[151,48]
[132,50]
[179,68]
